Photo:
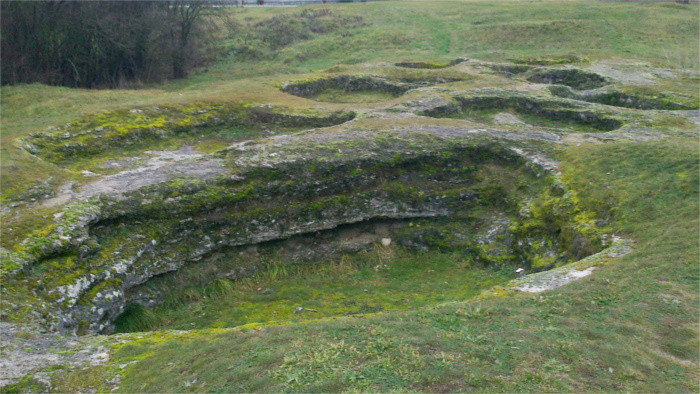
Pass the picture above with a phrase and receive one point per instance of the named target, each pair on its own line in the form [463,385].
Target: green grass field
[634,325]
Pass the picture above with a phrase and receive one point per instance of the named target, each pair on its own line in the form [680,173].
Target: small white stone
[386,241]
[519,270]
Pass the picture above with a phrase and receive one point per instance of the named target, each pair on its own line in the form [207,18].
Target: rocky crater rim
[126,238]
[617,98]
[571,77]
[341,88]
[550,60]
[566,111]
[430,65]
[101,247]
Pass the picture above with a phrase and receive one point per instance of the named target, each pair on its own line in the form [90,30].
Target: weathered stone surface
[506,119]
[543,281]
[26,350]
[160,167]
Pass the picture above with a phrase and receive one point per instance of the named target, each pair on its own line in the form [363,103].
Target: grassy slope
[631,326]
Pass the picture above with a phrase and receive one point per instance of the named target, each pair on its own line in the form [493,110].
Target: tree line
[103,43]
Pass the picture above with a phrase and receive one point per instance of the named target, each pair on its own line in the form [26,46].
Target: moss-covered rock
[313,87]
[555,109]
[430,65]
[624,99]
[572,77]
[98,133]
[102,247]
[510,69]
[550,61]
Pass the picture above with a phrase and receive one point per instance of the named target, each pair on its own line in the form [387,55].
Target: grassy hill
[390,318]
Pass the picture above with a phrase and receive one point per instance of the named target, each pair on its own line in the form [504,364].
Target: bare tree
[96,44]
[184,17]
